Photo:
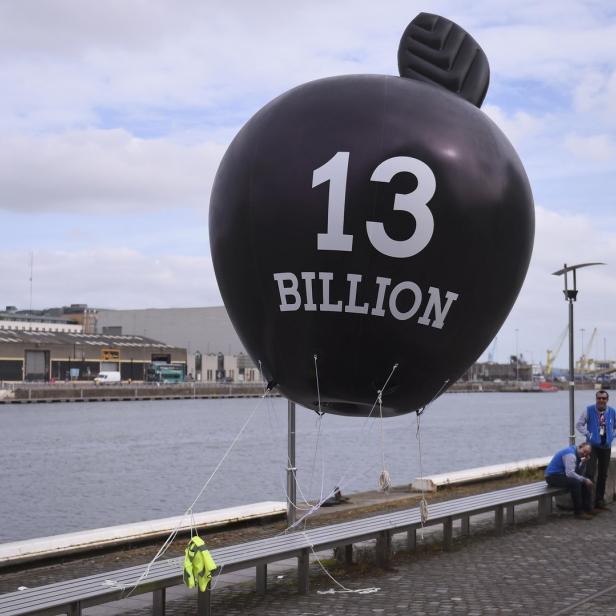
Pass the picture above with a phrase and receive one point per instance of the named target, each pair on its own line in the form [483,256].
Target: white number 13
[335,171]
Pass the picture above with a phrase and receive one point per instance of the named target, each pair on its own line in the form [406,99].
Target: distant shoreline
[27,393]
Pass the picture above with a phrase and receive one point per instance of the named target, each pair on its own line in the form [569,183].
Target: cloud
[519,126]
[98,171]
[118,278]
[540,312]
[595,95]
[127,278]
[555,45]
[65,60]
[593,147]
[113,111]
[72,27]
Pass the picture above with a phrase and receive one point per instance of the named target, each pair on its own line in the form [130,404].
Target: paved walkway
[532,569]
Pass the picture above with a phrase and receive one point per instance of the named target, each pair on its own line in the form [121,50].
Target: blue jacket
[588,425]
[556,465]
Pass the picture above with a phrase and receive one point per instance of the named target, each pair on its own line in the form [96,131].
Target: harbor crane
[492,351]
[582,363]
[553,354]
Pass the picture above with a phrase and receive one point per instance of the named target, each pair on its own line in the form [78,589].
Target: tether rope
[423,503]
[576,604]
[343,477]
[314,508]
[283,480]
[384,478]
[189,511]
[343,588]
[320,414]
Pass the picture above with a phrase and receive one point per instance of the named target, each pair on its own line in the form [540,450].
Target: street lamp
[571,296]
[582,355]
[291,468]
[517,358]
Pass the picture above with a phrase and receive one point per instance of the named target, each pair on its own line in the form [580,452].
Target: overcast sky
[114,116]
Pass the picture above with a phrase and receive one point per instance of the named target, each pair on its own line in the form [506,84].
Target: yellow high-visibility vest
[198,564]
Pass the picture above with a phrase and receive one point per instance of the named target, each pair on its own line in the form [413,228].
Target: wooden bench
[72,596]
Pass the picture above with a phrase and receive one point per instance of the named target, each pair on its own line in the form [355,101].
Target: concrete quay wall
[87,392]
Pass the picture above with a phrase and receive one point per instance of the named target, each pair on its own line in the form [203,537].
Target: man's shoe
[601,507]
[584,516]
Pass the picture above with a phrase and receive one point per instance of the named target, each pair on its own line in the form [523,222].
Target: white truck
[109,376]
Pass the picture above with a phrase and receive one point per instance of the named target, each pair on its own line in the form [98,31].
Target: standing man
[596,423]
[563,471]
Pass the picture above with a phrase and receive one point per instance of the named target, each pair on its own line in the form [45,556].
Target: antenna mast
[31,270]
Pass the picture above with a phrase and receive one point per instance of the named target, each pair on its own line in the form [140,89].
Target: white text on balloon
[291,297]
[335,171]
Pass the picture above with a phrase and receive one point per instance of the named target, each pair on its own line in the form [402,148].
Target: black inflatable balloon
[370,221]
[438,51]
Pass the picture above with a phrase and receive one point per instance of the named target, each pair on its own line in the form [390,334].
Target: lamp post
[198,365]
[291,468]
[517,358]
[571,296]
[582,355]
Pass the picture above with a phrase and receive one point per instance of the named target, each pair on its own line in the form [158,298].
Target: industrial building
[515,370]
[202,339]
[11,320]
[55,355]
[214,351]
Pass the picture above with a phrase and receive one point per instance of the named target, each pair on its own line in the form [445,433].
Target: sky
[114,117]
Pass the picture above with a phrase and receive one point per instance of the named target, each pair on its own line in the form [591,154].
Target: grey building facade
[201,331]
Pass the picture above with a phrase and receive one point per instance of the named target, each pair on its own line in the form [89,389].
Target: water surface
[74,466]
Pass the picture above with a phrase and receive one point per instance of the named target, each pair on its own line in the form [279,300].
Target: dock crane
[492,351]
[582,363]
[552,355]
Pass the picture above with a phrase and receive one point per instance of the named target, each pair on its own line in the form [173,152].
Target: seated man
[563,471]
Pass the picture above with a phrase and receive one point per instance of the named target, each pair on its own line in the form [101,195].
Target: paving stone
[526,571]
[531,569]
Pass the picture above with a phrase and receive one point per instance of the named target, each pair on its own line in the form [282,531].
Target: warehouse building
[11,320]
[206,333]
[55,355]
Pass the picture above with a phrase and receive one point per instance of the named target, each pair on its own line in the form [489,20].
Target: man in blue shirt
[564,471]
[596,423]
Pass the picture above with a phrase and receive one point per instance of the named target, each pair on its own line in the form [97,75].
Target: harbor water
[68,467]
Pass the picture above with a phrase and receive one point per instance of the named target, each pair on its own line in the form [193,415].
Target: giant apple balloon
[372,222]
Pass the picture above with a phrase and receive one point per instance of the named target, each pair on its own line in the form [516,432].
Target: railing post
[383,548]
[447,534]
[303,564]
[262,578]
[344,554]
[510,509]
[411,539]
[544,507]
[158,601]
[498,520]
[204,602]
[465,525]
[74,609]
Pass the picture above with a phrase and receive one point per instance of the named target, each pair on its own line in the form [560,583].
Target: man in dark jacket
[597,424]
[564,471]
